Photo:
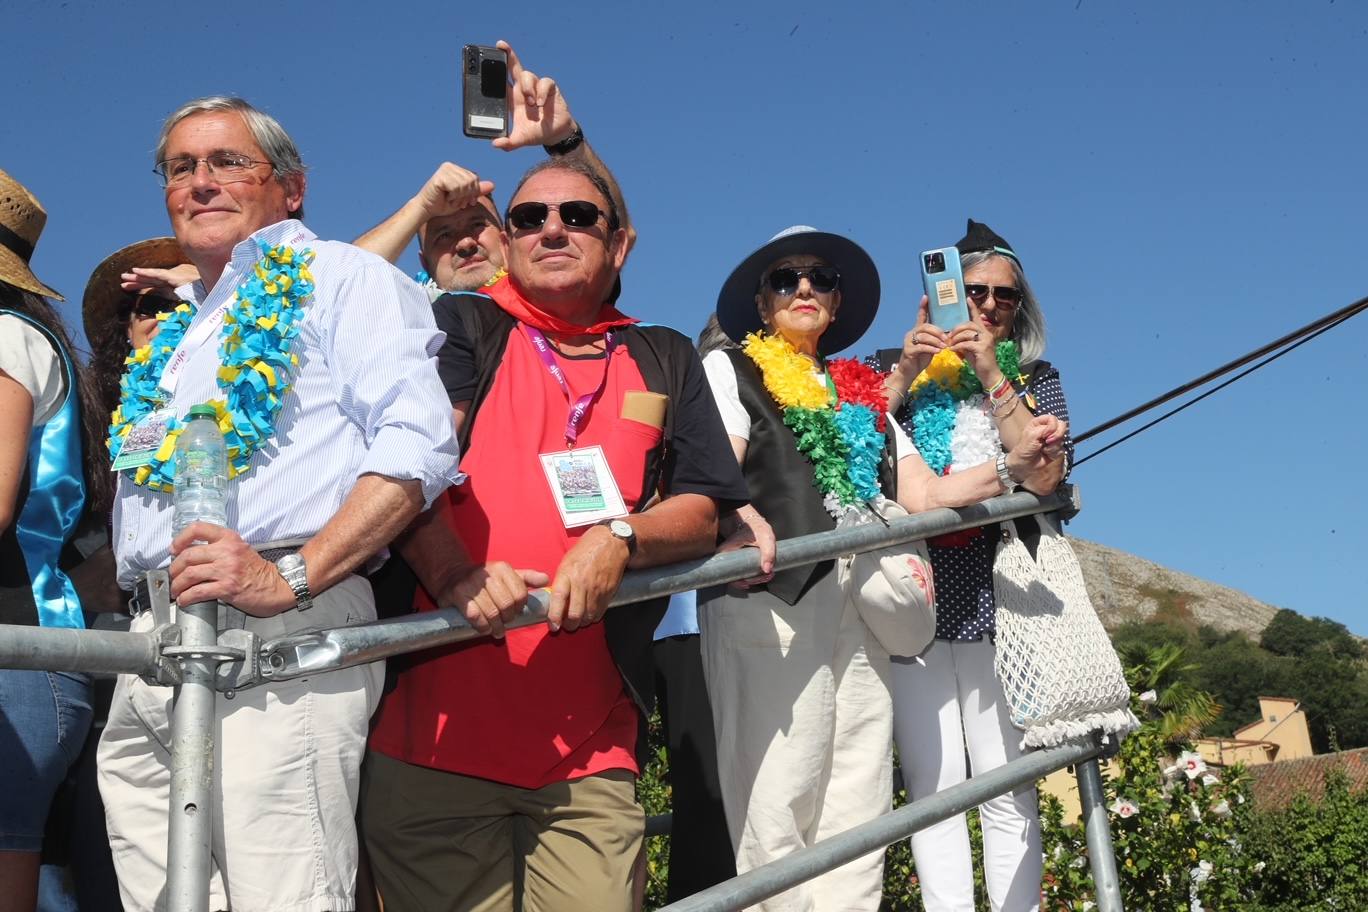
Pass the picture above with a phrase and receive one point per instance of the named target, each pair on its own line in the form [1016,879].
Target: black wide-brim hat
[738,315]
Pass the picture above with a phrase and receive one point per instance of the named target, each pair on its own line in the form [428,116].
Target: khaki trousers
[442,842]
[800,697]
[287,762]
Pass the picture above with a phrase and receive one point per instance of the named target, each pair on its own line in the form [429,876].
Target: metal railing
[184,650]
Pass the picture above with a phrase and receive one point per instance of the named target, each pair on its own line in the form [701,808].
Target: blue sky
[1183,182]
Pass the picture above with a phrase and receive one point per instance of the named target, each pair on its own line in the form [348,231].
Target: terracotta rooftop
[1274,785]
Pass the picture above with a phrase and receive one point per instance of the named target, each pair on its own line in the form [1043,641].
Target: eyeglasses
[573,214]
[1008,296]
[224,167]
[785,279]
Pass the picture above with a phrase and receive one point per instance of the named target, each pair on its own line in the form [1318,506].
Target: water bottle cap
[203,410]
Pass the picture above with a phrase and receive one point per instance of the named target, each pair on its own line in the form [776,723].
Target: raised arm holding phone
[453,214]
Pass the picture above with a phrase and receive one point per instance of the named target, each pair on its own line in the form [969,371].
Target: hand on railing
[751,530]
[491,595]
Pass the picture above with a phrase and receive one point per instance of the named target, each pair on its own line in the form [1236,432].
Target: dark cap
[979,238]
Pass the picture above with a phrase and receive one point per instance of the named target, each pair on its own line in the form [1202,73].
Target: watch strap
[567,145]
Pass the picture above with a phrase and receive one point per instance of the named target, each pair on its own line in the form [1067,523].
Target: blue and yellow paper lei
[255,372]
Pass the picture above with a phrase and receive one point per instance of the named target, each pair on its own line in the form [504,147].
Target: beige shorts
[287,761]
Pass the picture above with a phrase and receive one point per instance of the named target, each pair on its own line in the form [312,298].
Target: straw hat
[103,294]
[21,221]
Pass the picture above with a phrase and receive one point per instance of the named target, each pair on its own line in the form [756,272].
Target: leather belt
[229,617]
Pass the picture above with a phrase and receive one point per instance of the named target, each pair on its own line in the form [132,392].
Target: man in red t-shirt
[501,773]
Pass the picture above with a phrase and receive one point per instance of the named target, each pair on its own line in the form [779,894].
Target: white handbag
[1058,670]
[892,587]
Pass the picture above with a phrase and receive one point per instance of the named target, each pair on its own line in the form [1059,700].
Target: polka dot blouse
[964,573]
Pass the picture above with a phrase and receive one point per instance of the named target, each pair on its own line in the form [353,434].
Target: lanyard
[209,324]
[579,408]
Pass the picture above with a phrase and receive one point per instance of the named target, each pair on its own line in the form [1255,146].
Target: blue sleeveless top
[49,507]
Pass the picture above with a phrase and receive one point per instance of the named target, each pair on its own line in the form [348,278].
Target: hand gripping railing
[180,652]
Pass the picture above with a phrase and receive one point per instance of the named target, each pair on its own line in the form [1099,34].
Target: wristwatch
[567,145]
[623,531]
[1004,477]
[291,567]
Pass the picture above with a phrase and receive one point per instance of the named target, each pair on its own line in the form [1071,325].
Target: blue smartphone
[943,280]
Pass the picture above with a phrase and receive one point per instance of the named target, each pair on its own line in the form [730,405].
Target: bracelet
[895,391]
[1004,476]
[567,145]
[1001,390]
[1009,405]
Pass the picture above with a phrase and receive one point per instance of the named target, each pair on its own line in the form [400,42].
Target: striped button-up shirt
[366,399]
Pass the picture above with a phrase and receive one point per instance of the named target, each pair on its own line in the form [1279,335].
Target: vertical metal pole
[1100,851]
[192,765]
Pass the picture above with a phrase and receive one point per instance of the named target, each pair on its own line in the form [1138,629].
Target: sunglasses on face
[785,279]
[1005,295]
[573,214]
[148,306]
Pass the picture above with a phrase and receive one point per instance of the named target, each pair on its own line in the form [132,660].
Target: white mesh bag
[1057,666]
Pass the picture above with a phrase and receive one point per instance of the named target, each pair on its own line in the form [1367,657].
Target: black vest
[782,484]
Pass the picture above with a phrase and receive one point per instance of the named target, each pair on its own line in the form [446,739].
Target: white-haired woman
[948,701]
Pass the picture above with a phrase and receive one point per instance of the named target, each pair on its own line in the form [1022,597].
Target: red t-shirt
[536,707]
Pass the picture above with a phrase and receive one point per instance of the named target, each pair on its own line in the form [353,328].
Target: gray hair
[712,338]
[1028,327]
[279,148]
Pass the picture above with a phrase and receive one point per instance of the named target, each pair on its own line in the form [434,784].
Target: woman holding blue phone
[947,700]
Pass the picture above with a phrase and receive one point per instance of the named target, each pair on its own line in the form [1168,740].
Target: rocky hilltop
[1127,588]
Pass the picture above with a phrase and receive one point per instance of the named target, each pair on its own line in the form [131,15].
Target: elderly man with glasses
[340,437]
[501,774]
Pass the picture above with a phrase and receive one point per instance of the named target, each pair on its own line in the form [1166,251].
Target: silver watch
[1004,477]
[623,531]
[291,567]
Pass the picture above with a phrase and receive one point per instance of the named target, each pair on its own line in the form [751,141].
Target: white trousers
[802,707]
[952,702]
[287,760]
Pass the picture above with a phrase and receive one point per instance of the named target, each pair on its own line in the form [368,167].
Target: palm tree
[1183,710]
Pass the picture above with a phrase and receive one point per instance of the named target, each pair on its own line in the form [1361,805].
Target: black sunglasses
[573,214]
[148,305]
[785,279]
[1006,295]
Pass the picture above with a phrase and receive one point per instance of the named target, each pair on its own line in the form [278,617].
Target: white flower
[1202,873]
[1089,905]
[1259,866]
[1192,764]
[1078,862]
[1149,697]
[1221,808]
[1209,779]
[1124,808]
[1194,812]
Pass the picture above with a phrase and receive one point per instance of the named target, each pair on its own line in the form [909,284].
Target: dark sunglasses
[1006,295]
[573,214]
[148,305]
[785,279]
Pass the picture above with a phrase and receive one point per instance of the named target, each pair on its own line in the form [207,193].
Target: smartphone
[944,283]
[484,91]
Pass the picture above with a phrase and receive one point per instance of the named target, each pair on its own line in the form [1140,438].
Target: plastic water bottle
[201,471]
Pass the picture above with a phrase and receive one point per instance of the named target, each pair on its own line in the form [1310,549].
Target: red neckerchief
[511,300]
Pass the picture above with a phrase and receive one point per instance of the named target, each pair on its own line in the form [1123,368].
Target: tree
[1290,634]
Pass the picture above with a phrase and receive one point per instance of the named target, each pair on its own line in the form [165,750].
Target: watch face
[621,529]
[290,562]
